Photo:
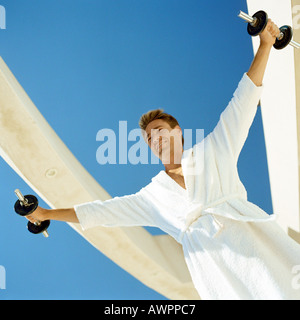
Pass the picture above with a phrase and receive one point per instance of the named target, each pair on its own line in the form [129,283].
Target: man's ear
[178,127]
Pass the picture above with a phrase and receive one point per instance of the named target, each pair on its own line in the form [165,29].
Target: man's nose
[157,138]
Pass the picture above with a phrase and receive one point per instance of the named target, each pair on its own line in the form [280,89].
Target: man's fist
[269,35]
[37,216]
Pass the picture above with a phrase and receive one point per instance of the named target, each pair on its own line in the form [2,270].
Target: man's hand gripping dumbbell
[25,206]
[39,218]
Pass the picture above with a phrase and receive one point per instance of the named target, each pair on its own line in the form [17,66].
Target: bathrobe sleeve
[129,210]
[235,121]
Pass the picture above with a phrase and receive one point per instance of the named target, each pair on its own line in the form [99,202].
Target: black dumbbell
[257,24]
[27,205]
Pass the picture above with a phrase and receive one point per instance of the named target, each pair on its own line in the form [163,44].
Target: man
[232,248]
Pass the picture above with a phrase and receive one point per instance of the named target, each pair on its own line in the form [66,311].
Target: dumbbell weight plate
[261,23]
[25,210]
[38,228]
[287,32]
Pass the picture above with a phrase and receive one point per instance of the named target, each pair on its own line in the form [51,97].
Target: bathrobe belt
[211,226]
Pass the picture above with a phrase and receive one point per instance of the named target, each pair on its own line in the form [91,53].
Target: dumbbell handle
[24,202]
[252,20]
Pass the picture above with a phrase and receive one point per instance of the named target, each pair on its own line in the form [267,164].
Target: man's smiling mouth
[160,144]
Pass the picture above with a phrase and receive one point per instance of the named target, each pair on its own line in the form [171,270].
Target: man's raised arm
[235,121]
[259,64]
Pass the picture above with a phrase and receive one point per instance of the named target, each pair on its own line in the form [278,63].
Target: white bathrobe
[233,249]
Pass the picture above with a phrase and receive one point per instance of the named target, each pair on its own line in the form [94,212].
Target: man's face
[165,142]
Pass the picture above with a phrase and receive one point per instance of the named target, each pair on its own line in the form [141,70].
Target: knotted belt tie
[209,209]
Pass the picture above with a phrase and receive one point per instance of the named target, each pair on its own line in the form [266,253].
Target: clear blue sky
[87,65]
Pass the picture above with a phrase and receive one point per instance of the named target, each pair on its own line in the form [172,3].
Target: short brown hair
[152,115]
[155,114]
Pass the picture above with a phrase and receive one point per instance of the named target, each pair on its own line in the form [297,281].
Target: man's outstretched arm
[41,214]
[259,64]
[126,211]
